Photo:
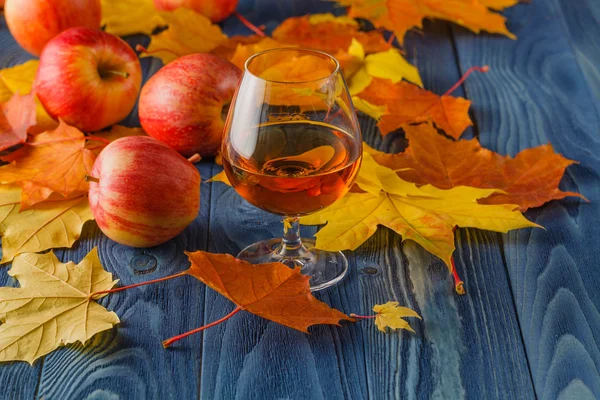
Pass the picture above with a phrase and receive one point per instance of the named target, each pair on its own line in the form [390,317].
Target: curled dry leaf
[51,224]
[19,80]
[272,291]
[310,31]
[426,215]
[530,179]
[53,162]
[390,315]
[17,116]
[126,17]
[409,104]
[188,32]
[400,16]
[53,307]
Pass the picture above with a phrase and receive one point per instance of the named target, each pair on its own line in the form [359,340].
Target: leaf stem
[363,316]
[174,339]
[459,285]
[97,139]
[485,68]
[391,38]
[166,278]
[249,24]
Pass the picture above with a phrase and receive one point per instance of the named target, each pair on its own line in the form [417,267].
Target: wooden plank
[581,21]
[19,380]
[536,93]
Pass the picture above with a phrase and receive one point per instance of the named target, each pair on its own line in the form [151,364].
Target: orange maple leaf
[54,161]
[400,16]
[271,291]
[328,34]
[530,179]
[18,115]
[407,103]
[227,49]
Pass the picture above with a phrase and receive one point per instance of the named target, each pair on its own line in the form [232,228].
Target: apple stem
[174,339]
[89,178]
[144,50]
[119,289]
[195,158]
[485,68]
[110,72]
[249,24]
[391,38]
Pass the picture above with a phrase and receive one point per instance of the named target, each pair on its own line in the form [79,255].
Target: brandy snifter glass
[292,146]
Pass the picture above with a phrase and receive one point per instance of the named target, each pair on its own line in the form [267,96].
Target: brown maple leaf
[271,291]
[407,103]
[530,179]
[328,33]
[55,161]
[18,115]
[400,16]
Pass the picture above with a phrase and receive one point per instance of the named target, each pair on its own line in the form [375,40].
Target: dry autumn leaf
[530,179]
[126,17]
[53,307]
[17,116]
[51,224]
[389,315]
[309,31]
[400,16]
[426,215]
[19,80]
[227,49]
[243,51]
[188,32]
[388,65]
[53,162]
[408,104]
[272,291]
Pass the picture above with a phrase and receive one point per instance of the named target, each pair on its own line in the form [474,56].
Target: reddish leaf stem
[174,339]
[166,278]
[391,38]
[485,68]
[249,24]
[97,139]
[144,50]
[459,285]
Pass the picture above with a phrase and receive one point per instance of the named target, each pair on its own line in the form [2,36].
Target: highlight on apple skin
[142,192]
[216,10]
[34,22]
[89,78]
[182,104]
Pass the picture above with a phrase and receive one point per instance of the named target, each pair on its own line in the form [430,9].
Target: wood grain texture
[535,93]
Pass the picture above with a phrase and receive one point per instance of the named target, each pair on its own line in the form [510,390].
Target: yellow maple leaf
[426,215]
[188,32]
[53,162]
[19,79]
[53,307]
[389,315]
[400,16]
[372,110]
[387,65]
[126,17]
[51,224]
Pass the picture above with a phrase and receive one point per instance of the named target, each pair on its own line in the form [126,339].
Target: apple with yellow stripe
[142,192]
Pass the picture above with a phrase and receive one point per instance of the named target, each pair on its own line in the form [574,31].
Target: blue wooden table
[529,326]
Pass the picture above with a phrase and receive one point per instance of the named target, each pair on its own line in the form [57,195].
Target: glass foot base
[325,268]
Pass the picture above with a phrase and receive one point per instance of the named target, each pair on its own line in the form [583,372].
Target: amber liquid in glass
[297,167]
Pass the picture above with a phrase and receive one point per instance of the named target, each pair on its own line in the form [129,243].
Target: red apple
[34,22]
[182,104]
[142,192]
[89,78]
[216,10]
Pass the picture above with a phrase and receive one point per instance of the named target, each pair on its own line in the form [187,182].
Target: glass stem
[291,244]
